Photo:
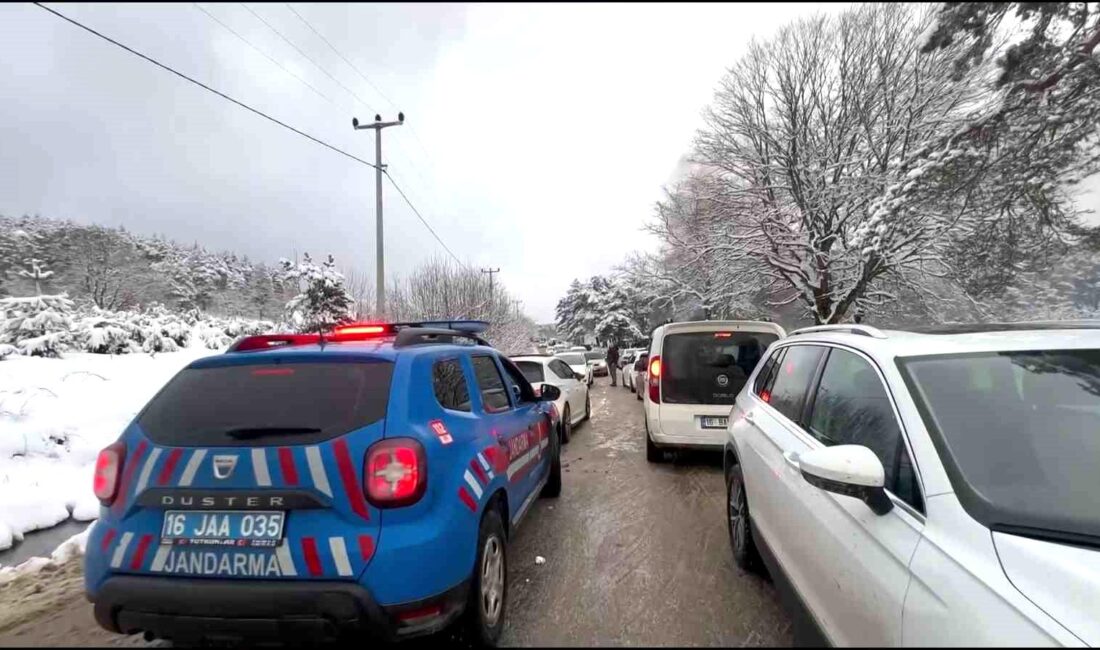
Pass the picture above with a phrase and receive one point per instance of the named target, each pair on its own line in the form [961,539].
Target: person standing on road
[613,360]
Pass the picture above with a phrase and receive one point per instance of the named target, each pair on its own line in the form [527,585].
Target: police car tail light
[396,473]
[655,379]
[108,470]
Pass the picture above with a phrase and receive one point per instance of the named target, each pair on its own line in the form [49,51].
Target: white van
[695,371]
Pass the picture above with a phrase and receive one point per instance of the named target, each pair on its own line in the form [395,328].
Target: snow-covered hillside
[55,416]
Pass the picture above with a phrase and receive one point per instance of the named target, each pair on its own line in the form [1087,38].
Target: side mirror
[578,376]
[549,393]
[849,470]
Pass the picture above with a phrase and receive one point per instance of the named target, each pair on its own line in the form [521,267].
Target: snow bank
[69,549]
[55,416]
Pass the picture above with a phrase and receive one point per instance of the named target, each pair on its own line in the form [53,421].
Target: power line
[421,217]
[204,86]
[356,69]
[262,53]
[376,89]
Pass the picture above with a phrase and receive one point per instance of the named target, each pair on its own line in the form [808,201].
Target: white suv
[925,488]
[696,370]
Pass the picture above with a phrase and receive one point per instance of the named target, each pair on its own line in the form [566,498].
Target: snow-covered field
[55,416]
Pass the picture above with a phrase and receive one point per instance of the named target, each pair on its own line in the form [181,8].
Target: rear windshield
[595,354]
[532,370]
[709,367]
[1020,432]
[575,359]
[289,403]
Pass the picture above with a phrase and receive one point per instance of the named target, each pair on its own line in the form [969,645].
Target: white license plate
[222,528]
[715,422]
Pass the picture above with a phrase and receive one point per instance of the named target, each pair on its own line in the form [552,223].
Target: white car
[626,362]
[927,489]
[695,371]
[578,363]
[574,405]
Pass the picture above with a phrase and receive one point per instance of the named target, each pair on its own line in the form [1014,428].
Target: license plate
[220,528]
[715,422]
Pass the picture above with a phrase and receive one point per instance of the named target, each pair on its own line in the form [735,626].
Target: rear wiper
[247,433]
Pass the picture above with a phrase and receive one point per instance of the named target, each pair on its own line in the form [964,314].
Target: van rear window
[709,367]
[287,403]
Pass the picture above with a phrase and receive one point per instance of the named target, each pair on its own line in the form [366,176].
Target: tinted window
[288,403]
[532,370]
[489,382]
[1019,433]
[640,364]
[560,369]
[851,407]
[450,385]
[518,382]
[767,373]
[792,379]
[709,367]
[595,354]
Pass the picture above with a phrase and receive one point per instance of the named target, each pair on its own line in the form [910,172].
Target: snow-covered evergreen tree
[39,325]
[324,301]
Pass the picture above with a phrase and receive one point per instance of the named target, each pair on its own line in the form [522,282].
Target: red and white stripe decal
[473,484]
[192,467]
[147,470]
[259,467]
[340,555]
[286,561]
[317,470]
[169,466]
[347,476]
[160,558]
[465,497]
[309,551]
[366,547]
[120,550]
[286,466]
[128,475]
[108,537]
[479,472]
[485,465]
[139,555]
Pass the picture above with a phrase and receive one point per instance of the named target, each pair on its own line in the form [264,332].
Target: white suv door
[849,565]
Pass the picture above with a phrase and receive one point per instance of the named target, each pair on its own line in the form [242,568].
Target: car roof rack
[1018,326]
[850,328]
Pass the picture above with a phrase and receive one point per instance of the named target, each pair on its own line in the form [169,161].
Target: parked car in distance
[578,348]
[574,404]
[285,489]
[622,369]
[695,371]
[578,363]
[597,359]
[638,376]
[929,488]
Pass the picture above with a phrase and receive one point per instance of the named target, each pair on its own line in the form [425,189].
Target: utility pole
[491,272]
[517,302]
[380,269]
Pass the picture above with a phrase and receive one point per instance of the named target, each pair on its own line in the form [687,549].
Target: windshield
[287,403]
[595,355]
[576,359]
[1019,432]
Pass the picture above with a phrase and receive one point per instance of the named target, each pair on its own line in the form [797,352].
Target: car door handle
[749,416]
[792,459]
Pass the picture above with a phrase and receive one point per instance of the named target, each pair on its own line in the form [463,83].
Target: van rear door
[703,367]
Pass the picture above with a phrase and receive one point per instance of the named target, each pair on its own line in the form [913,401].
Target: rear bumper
[193,610]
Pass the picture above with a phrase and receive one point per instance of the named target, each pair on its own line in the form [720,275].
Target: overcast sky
[537,136]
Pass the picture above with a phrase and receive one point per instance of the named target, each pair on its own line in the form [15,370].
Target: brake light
[396,473]
[655,380]
[722,335]
[360,329]
[766,396]
[108,470]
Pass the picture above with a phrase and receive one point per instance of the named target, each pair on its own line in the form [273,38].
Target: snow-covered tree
[38,326]
[323,302]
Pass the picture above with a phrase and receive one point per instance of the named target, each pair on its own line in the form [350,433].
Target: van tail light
[108,471]
[395,473]
[655,380]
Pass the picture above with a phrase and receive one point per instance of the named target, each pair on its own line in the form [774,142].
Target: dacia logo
[223,466]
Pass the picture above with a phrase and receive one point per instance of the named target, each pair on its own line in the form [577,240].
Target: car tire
[552,489]
[745,554]
[481,627]
[653,453]
[566,426]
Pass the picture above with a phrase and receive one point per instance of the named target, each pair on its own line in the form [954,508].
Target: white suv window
[851,407]
[787,393]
